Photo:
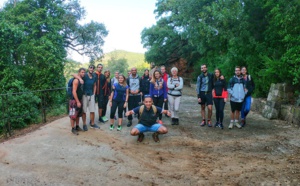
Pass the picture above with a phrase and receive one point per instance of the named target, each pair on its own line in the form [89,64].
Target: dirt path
[264,153]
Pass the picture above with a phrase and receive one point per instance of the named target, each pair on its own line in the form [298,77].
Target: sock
[231,121]
[236,121]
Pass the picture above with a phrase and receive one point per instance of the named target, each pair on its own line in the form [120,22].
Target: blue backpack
[70,88]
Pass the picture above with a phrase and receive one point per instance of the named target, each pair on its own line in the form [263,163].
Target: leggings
[246,107]
[105,101]
[174,103]
[158,101]
[219,105]
[115,105]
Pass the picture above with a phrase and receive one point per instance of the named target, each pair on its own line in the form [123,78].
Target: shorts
[88,102]
[142,128]
[206,98]
[236,106]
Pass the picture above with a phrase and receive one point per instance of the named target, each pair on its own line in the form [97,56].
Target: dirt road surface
[263,153]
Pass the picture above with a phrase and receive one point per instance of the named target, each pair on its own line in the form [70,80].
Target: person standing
[77,93]
[145,83]
[220,95]
[115,78]
[204,88]
[134,92]
[158,91]
[175,85]
[147,122]
[100,81]
[106,93]
[118,100]
[237,91]
[250,86]
[88,99]
[165,77]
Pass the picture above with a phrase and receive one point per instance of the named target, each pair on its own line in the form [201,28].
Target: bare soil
[263,153]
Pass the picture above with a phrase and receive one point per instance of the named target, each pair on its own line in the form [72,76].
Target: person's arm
[229,87]
[126,99]
[74,92]
[180,86]
[170,85]
[151,89]
[94,90]
[130,112]
[76,76]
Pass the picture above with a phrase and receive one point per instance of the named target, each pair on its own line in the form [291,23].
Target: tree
[118,64]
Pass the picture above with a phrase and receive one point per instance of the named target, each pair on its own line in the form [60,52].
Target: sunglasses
[91,67]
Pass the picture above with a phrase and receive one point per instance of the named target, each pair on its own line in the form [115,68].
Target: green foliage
[118,64]
[261,35]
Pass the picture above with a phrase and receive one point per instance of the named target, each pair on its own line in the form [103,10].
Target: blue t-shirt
[88,85]
[120,92]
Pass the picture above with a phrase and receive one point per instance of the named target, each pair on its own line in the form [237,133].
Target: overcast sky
[124,19]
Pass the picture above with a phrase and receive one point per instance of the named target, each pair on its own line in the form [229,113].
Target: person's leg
[157,129]
[245,109]
[209,103]
[217,107]
[231,115]
[171,107]
[91,106]
[112,114]
[84,109]
[237,114]
[166,107]
[105,101]
[130,107]
[160,103]
[221,110]
[73,129]
[120,114]
[139,129]
[176,109]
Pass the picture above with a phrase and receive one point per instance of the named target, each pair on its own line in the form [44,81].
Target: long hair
[153,80]
[124,83]
[215,77]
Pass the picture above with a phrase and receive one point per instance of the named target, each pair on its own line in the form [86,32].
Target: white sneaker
[238,125]
[230,125]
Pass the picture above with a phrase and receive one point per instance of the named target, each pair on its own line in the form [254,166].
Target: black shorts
[236,106]
[206,98]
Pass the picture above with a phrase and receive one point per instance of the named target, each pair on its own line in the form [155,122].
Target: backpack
[141,110]
[70,88]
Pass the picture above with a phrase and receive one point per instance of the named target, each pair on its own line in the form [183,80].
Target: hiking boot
[221,125]
[160,122]
[101,120]
[238,125]
[203,123]
[129,123]
[95,126]
[176,121]
[119,128]
[111,127]
[209,123]
[140,137]
[74,131]
[230,125]
[85,128]
[243,123]
[155,137]
[173,121]
[78,128]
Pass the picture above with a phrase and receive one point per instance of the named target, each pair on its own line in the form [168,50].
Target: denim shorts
[142,128]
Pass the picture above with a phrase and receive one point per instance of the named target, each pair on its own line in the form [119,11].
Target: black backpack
[70,88]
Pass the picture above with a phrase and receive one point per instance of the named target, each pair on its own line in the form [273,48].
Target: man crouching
[147,121]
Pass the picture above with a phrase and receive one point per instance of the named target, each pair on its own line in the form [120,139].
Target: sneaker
[243,123]
[104,118]
[221,125]
[140,137]
[78,128]
[74,131]
[101,120]
[203,123]
[119,128]
[160,122]
[209,123]
[95,126]
[129,123]
[217,124]
[238,125]
[230,125]
[155,137]
[85,128]
[111,127]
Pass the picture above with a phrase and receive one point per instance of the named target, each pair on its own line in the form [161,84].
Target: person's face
[121,79]
[203,68]
[91,69]
[174,72]
[157,75]
[81,73]
[99,68]
[148,102]
[133,71]
[129,73]
[107,74]
[116,74]
[217,73]
[163,70]
[147,72]
[244,71]
[237,71]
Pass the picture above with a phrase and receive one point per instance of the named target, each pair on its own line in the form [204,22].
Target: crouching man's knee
[134,132]
[162,130]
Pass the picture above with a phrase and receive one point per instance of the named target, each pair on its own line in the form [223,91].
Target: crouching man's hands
[166,112]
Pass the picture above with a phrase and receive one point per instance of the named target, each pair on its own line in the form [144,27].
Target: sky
[124,19]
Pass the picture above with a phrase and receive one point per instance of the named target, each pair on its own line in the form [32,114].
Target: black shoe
[129,123]
[243,123]
[176,121]
[74,131]
[101,120]
[221,125]
[217,124]
[78,128]
[173,121]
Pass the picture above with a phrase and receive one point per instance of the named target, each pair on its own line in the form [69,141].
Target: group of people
[154,94]
[213,89]
[148,97]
